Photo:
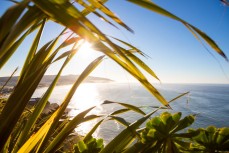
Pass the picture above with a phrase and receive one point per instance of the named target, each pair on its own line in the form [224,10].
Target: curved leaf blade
[155,8]
[129,106]
[126,136]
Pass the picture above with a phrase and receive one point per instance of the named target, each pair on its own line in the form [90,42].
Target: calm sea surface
[210,102]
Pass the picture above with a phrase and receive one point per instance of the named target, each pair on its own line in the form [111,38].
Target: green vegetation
[23,130]
[92,146]
[165,133]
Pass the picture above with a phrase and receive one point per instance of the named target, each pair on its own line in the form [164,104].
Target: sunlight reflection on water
[204,100]
[86,96]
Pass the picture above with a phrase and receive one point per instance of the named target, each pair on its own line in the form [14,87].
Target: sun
[86,46]
[86,50]
[84,56]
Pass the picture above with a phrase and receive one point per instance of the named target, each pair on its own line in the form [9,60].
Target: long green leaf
[120,111]
[119,120]
[29,18]
[34,46]
[65,54]
[209,41]
[6,147]
[179,96]
[153,7]
[72,51]
[129,106]
[133,48]
[83,75]
[92,9]
[35,64]
[67,130]
[8,79]
[89,134]
[109,13]
[185,122]
[34,140]
[9,18]
[15,45]
[86,11]
[70,41]
[71,18]
[126,136]
[42,56]
[136,59]
[137,147]
[74,15]
[142,65]
[29,79]
[131,68]
[22,95]
[41,104]
[56,116]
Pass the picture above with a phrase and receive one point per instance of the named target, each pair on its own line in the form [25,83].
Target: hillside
[64,80]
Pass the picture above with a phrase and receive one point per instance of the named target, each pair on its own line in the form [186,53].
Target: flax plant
[17,133]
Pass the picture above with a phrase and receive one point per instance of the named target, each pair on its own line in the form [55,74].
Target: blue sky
[176,56]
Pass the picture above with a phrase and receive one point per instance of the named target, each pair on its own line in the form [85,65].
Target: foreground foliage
[19,128]
[92,146]
[211,139]
[166,133]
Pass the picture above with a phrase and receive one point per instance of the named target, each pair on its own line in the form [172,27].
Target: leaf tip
[168,106]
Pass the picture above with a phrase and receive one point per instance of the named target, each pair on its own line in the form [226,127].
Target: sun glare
[85,97]
[86,50]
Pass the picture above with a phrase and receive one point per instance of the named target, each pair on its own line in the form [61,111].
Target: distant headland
[64,80]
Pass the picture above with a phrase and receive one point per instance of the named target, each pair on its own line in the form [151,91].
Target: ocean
[210,103]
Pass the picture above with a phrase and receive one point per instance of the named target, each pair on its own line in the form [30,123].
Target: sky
[175,55]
